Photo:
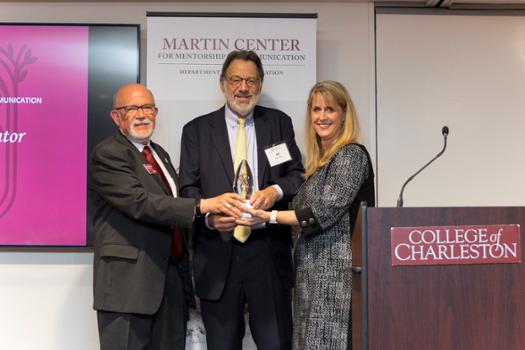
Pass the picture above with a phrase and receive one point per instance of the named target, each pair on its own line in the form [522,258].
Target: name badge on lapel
[150,169]
[277,154]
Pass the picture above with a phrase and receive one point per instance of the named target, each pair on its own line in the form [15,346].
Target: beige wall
[45,298]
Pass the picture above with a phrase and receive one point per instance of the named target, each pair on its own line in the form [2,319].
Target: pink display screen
[45,107]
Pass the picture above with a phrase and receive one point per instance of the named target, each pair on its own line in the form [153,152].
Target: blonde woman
[338,176]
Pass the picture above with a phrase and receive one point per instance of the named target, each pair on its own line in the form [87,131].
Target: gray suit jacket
[133,217]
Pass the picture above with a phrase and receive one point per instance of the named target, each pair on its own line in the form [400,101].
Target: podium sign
[447,245]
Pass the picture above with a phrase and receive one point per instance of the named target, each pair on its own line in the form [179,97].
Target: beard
[242,109]
[143,134]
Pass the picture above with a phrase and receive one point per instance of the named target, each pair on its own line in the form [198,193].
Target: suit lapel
[219,135]
[140,159]
[263,136]
[167,164]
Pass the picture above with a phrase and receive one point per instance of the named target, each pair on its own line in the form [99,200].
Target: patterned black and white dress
[326,206]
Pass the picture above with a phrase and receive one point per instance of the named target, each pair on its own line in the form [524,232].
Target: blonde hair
[334,93]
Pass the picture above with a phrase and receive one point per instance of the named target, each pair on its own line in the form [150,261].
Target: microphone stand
[400,199]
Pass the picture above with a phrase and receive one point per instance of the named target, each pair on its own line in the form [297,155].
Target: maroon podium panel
[443,306]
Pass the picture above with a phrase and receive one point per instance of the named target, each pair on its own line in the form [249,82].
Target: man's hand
[229,204]
[264,199]
[222,223]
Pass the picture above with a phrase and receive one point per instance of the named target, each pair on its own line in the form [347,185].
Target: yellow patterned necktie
[241,233]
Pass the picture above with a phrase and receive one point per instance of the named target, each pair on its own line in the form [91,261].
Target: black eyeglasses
[147,109]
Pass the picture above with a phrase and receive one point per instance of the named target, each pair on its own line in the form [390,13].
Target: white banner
[185,55]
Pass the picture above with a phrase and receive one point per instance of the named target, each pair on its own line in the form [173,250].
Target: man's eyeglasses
[148,109]
[236,81]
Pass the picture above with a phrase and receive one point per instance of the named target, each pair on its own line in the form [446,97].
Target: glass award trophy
[243,184]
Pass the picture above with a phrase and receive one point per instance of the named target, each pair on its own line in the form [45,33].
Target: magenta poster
[43,131]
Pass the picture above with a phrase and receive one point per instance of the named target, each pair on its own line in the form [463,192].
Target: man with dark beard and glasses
[235,267]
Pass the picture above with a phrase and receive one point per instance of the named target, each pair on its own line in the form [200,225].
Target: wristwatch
[273,217]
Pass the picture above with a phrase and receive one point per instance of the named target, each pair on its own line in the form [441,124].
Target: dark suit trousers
[166,329]
[252,280]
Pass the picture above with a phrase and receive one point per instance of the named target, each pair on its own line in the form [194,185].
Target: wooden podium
[441,307]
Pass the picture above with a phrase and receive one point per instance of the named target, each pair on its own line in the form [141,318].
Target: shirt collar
[231,118]
[137,145]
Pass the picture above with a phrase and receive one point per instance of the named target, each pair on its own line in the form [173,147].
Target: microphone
[444,132]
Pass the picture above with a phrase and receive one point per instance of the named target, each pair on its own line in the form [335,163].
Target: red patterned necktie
[176,241]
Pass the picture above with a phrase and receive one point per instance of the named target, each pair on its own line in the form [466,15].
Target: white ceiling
[460,4]
[400,2]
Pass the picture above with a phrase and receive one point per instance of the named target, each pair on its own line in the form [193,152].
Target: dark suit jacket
[207,171]
[133,215]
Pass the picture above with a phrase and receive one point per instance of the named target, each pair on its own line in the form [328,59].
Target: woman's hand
[258,216]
